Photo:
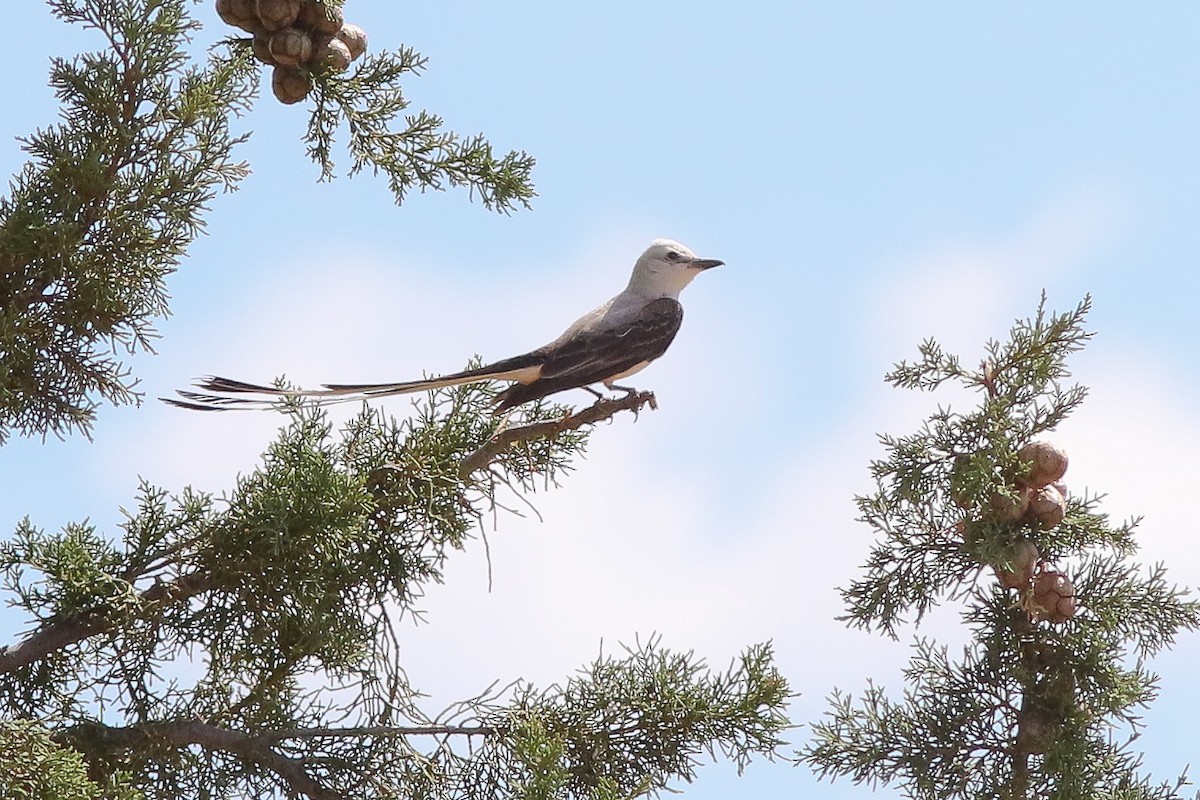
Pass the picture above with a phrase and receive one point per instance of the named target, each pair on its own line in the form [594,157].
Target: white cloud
[1135,441]
[965,291]
[642,557]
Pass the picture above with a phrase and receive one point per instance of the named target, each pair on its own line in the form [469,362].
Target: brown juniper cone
[321,19]
[1053,596]
[1013,506]
[276,15]
[332,53]
[355,38]
[1022,562]
[261,46]
[1047,508]
[290,46]
[1047,463]
[290,84]
[240,14]
[296,37]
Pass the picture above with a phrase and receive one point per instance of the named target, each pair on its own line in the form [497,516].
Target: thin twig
[602,409]
[378,731]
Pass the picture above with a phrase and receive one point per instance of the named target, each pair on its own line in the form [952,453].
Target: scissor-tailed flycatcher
[612,342]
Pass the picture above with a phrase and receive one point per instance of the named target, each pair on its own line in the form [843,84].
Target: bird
[609,343]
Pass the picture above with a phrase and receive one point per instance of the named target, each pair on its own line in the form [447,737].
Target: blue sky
[873,174]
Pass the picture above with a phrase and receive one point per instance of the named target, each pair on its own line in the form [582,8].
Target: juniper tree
[970,509]
[281,597]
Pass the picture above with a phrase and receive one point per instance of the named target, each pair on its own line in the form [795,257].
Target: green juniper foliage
[114,193]
[296,580]
[106,207]
[1034,708]
[420,154]
[38,768]
[575,741]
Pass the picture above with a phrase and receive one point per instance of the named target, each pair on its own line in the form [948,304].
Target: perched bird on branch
[603,346]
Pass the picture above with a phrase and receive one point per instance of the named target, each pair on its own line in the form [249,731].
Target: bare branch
[58,635]
[52,638]
[602,409]
[379,731]
[255,749]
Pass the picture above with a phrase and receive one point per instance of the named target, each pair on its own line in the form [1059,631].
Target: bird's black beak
[706,263]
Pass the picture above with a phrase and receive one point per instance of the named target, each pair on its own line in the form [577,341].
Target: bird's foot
[628,390]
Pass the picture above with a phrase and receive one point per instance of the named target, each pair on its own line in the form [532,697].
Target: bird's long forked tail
[223,394]
[226,394]
[216,396]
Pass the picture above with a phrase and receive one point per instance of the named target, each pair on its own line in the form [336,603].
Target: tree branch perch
[602,409]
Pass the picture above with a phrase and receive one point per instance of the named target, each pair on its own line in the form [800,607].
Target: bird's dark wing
[595,355]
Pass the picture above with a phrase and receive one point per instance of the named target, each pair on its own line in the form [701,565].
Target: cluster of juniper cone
[296,37]
[1037,500]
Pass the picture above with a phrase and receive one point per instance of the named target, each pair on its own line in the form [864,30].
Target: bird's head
[666,267]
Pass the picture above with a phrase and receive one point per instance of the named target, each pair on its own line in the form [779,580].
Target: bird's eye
[673,256]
